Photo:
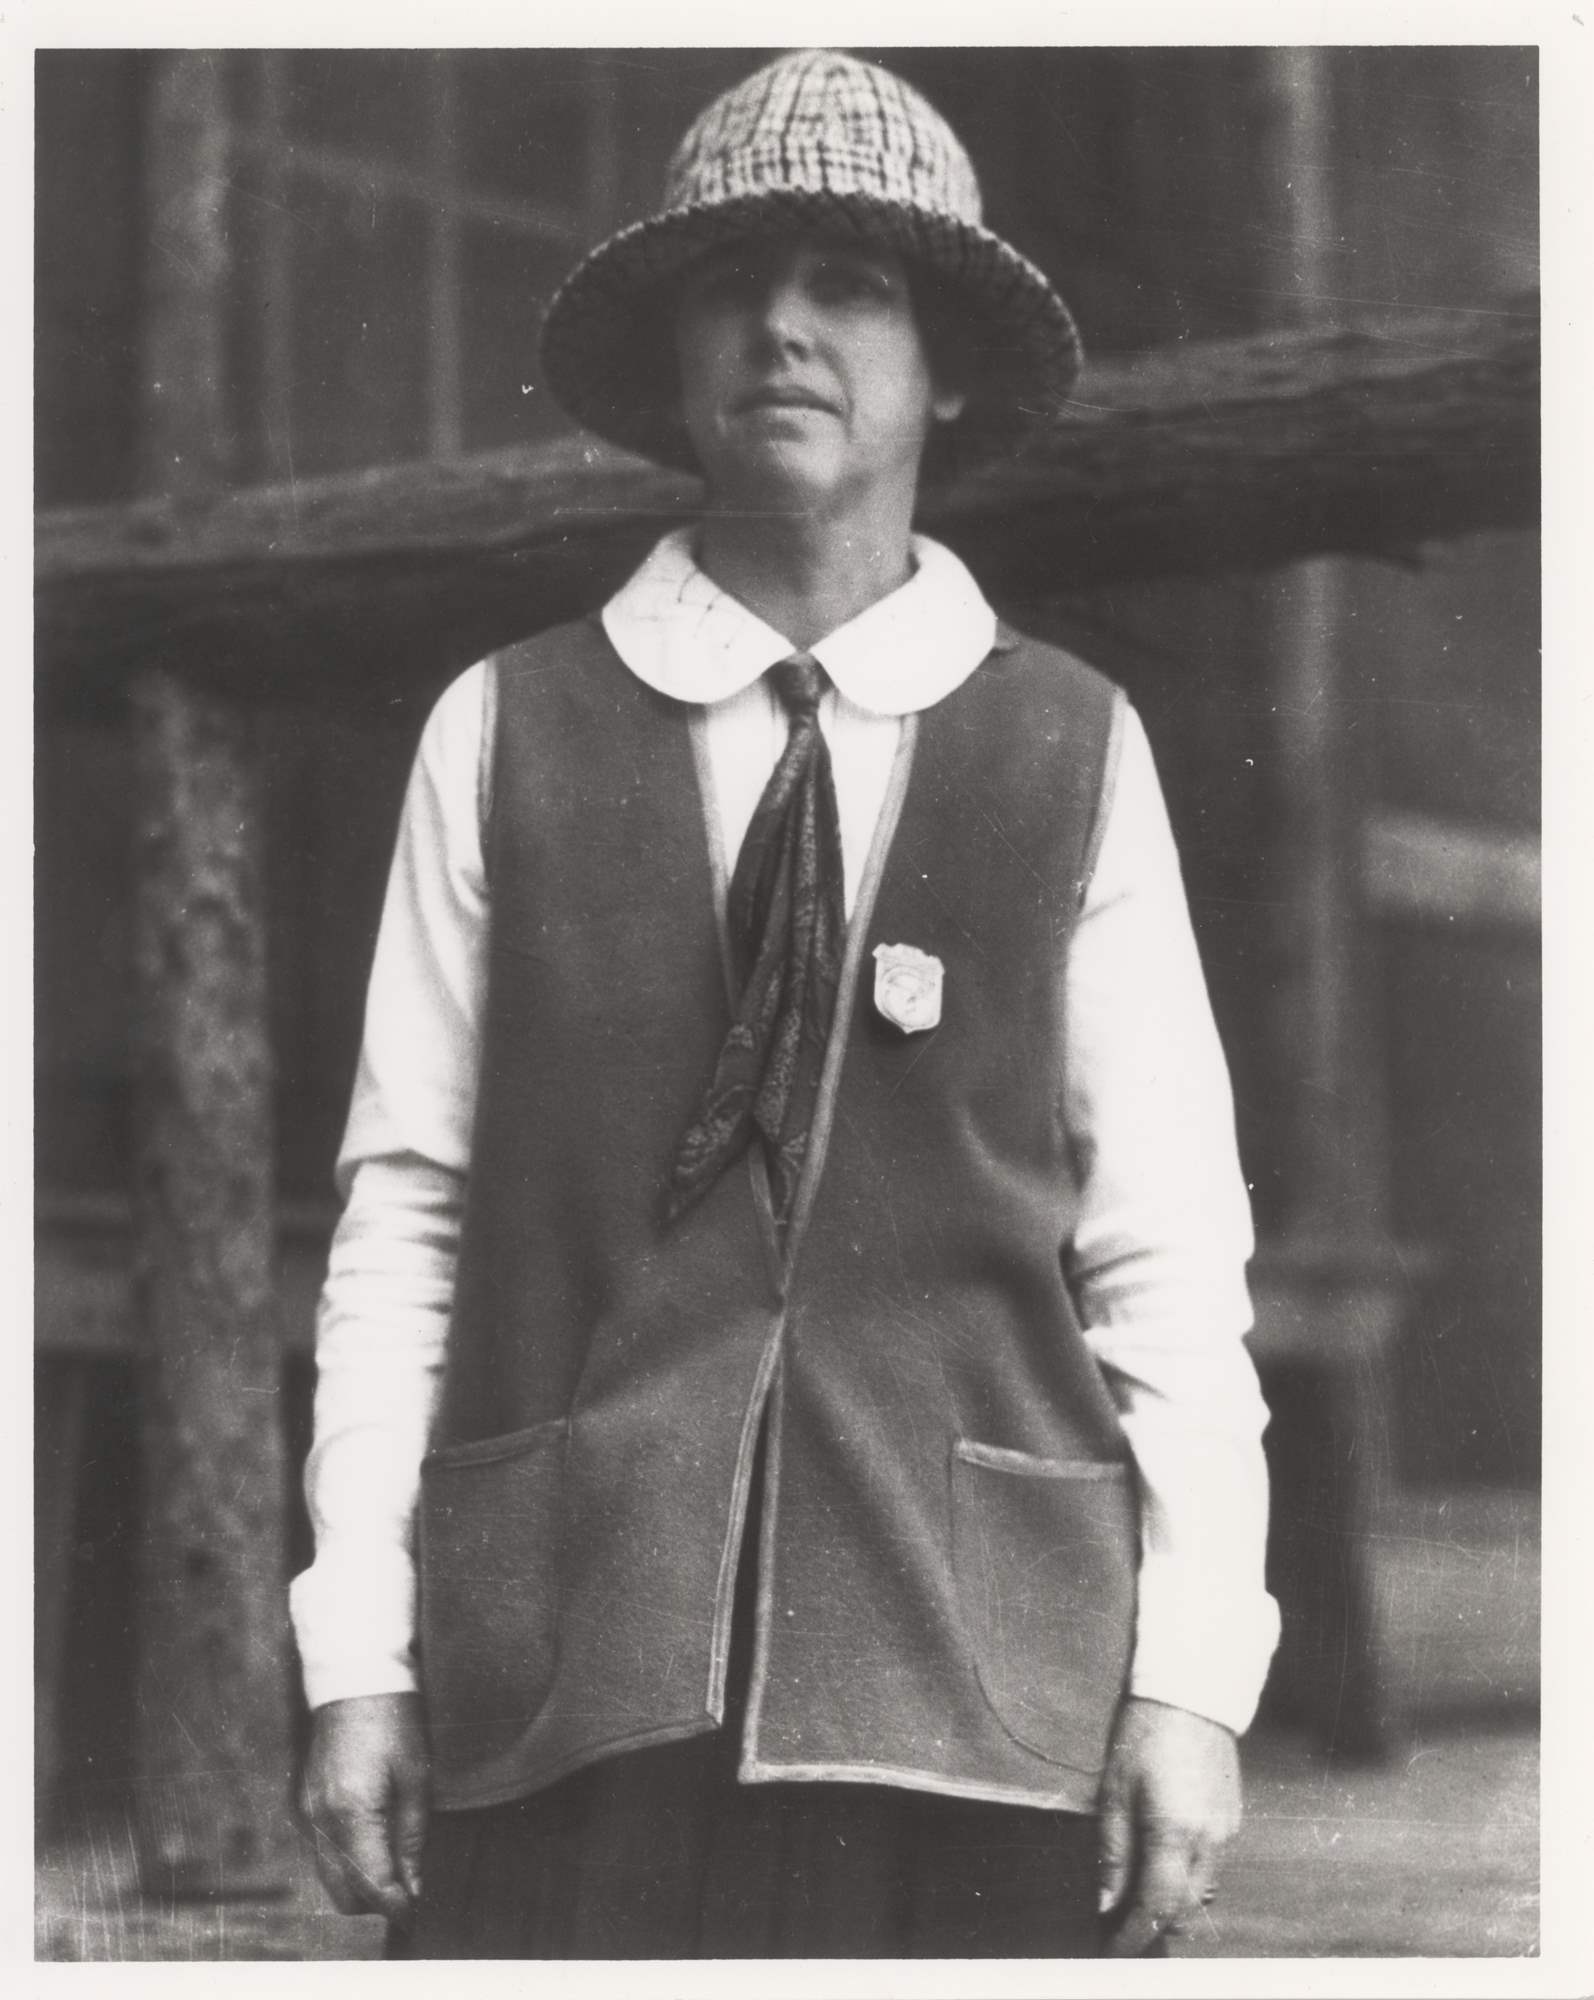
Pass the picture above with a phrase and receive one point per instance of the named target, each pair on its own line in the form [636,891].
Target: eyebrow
[752,253]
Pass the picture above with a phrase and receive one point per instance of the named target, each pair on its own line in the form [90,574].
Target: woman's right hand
[364,1800]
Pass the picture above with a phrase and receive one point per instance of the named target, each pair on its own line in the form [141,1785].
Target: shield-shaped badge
[907,987]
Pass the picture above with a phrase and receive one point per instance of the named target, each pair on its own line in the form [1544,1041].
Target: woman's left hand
[1170,1804]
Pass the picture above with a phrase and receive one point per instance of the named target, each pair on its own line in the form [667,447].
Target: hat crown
[823,123]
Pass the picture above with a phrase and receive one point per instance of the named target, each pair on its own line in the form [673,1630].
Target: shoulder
[538,688]
[451,736]
[508,688]
[1042,694]
[567,648]
[1049,669]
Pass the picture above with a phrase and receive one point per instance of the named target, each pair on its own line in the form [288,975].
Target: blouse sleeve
[383,1316]
[1158,1260]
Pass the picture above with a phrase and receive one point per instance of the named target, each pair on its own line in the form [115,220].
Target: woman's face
[804,373]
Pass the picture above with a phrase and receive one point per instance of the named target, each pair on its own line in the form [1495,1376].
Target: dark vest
[946,1576]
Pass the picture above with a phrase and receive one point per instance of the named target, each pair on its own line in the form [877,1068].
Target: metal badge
[907,987]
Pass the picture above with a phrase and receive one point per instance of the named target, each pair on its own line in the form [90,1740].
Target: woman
[791,1179]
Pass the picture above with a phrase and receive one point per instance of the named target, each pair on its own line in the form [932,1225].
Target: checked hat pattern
[816,140]
[830,124]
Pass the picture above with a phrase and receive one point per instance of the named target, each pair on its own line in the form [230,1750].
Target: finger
[1116,1836]
[1161,1895]
[1202,1882]
[355,1861]
[329,1852]
[409,1834]
[1205,1858]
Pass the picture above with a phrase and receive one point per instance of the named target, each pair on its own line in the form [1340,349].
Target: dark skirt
[662,1853]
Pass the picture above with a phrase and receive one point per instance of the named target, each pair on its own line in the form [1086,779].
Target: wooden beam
[1439,872]
[83,1280]
[1235,454]
[357,173]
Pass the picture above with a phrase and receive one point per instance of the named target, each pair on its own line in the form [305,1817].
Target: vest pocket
[1045,1552]
[488,1541]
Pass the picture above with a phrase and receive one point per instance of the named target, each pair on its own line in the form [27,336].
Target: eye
[722,281]
[840,279]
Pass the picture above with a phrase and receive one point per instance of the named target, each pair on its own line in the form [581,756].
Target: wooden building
[270,269]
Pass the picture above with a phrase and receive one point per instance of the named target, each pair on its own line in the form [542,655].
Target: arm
[383,1322]
[380,1339]
[1157,1264]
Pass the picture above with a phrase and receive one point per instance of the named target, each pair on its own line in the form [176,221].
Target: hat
[813,141]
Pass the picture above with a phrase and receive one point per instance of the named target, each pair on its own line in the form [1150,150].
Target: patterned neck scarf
[786,916]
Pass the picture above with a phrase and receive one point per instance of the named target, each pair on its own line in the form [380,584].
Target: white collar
[678,631]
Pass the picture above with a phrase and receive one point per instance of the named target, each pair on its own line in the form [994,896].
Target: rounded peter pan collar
[678,631]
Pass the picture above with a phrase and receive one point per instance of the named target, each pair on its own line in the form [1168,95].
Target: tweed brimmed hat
[814,141]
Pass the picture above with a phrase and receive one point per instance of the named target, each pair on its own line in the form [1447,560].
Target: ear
[947,405]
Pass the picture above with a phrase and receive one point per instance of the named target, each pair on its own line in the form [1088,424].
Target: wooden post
[445,254]
[1337,1156]
[212,1714]
[212,1734]
[1324,1331]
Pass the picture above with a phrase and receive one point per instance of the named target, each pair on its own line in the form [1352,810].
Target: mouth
[782,396]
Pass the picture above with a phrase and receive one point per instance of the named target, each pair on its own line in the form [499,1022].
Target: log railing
[1363,440]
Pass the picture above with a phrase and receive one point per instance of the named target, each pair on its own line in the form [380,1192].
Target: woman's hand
[1170,1804]
[364,1798]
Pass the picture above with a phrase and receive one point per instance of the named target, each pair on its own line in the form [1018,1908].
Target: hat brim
[607,339]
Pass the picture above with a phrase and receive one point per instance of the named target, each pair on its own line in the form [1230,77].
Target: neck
[802,573]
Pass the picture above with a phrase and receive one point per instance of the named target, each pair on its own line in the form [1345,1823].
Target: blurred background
[1349,750]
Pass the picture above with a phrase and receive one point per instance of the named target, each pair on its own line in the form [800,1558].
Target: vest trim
[1109,786]
[764,1607]
[714,835]
[578,1760]
[857,929]
[910,1778]
[725,1591]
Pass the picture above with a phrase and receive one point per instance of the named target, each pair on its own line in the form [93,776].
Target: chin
[776,472]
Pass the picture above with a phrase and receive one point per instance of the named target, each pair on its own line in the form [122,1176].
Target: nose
[782,317]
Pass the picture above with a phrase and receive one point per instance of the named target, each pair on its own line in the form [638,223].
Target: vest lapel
[858,928]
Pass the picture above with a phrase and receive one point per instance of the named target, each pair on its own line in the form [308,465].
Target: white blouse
[1157,1260]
